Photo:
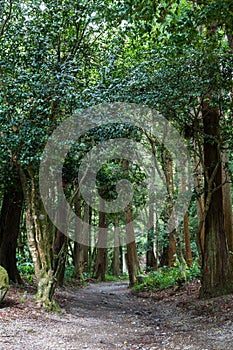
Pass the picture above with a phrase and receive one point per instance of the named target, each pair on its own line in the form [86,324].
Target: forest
[116,144]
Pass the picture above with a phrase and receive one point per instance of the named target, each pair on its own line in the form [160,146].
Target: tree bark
[200,202]
[101,258]
[227,202]
[172,251]
[87,238]
[60,247]
[116,250]
[41,235]
[168,172]
[216,267]
[151,261]
[78,251]
[60,242]
[9,230]
[131,256]
[188,251]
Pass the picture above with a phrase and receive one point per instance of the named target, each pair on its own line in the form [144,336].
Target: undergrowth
[25,268]
[169,277]
[123,277]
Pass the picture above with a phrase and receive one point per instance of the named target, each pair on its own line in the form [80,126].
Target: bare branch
[8,17]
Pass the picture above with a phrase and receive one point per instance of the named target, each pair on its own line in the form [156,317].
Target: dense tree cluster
[58,58]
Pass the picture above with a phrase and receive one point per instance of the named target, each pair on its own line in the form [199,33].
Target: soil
[109,316]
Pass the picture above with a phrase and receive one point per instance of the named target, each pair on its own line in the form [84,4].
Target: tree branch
[8,17]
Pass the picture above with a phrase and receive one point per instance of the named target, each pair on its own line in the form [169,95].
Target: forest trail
[108,316]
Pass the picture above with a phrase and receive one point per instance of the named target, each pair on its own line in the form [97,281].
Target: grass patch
[111,278]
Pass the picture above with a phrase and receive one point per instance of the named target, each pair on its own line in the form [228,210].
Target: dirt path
[107,316]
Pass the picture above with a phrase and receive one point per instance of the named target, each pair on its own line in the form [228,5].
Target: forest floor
[109,316]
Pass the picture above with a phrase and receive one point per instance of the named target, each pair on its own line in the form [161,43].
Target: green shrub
[25,265]
[169,277]
[70,272]
[26,270]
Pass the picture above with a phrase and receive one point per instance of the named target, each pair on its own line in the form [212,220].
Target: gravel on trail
[109,316]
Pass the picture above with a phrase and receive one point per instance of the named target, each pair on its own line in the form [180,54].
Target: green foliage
[123,277]
[70,272]
[26,270]
[64,56]
[25,265]
[169,277]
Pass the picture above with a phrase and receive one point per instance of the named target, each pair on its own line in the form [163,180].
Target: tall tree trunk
[41,235]
[9,229]
[151,261]
[172,252]
[200,238]
[168,172]
[116,250]
[188,251]
[157,242]
[217,276]
[78,263]
[87,238]
[60,247]
[101,258]
[227,201]
[131,256]
[78,251]
[60,242]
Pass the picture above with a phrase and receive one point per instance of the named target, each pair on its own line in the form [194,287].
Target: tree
[187,78]
[40,83]
[102,252]
[217,268]
[175,57]
[188,251]
[10,218]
